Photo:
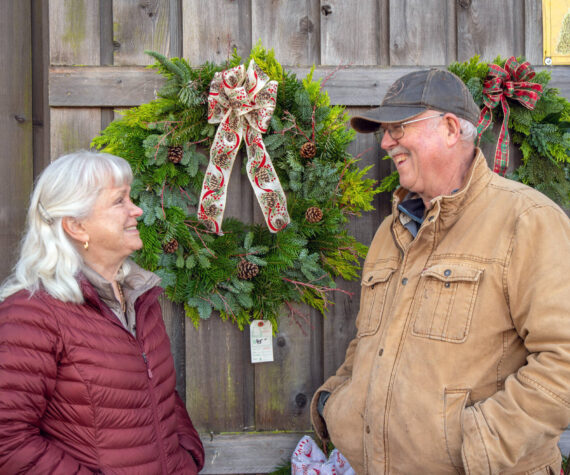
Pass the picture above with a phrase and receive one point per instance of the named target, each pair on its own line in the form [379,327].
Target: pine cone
[271,199]
[212,211]
[263,175]
[247,270]
[170,247]
[313,214]
[222,160]
[175,153]
[308,150]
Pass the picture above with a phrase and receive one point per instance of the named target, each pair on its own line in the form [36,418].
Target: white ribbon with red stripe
[242,102]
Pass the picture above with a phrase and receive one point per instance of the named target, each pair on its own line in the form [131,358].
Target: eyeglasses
[397,131]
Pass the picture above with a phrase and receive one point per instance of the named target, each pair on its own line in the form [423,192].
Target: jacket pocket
[454,404]
[444,303]
[372,298]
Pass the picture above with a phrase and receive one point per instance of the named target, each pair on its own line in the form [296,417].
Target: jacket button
[381,352]
[447,272]
[368,429]
[404,281]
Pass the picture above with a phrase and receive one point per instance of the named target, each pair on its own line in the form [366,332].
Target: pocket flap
[453,273]
[372,277]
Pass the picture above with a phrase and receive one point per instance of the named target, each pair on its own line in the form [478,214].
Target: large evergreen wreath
[246,273]
[541,134]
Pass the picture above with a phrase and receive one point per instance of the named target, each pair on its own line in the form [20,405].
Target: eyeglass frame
[379,134]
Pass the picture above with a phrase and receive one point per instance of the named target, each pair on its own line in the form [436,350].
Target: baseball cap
[418,92]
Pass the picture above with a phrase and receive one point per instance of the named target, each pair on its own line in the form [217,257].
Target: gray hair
[468,131]
[68,187]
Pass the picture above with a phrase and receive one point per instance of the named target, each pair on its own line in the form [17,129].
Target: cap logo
[395,90]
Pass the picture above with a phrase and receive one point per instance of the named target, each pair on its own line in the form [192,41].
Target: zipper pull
[148,370]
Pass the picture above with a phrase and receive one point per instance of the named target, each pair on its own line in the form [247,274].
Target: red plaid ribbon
[512,82]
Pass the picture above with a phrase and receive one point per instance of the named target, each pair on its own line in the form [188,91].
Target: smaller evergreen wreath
[542,134]
[246,273]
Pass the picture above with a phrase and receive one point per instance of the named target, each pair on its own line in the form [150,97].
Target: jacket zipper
[150,390]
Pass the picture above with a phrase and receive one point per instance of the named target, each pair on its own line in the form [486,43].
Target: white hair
[68,187]
[468,131]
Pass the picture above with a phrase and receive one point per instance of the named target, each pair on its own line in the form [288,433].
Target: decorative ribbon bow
[511,82]
[242,102]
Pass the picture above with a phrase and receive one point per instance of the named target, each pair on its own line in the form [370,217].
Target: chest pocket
[372,300]
[443,306]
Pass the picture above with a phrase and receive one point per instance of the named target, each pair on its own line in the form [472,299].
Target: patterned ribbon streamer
[242,102]
[512,82]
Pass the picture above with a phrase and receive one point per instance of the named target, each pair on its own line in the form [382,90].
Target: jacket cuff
[473,451]
[317,420]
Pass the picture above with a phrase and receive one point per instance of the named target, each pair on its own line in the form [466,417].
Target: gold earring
[86,245]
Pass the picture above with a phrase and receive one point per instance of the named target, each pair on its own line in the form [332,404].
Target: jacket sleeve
[187,434]
[537,397]
[29,351]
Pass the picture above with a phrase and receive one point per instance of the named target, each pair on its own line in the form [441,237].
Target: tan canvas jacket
[461,363]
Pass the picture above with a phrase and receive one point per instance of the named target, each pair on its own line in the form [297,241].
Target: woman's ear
[75,229]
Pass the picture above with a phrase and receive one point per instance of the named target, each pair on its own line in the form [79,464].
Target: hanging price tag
[261,341]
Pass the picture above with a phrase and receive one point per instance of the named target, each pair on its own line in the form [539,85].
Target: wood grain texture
[339,325]
[75,28]
[283,388]
[533,31]
[73,129]
[140,25]
[247,453]
[490,28]
[16,131]
[219,377]
[131,86]
[291,27]
[419,30]
[350,32]
[213,28]
[175,322]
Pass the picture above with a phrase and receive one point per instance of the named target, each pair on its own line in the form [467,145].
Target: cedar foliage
[298,264]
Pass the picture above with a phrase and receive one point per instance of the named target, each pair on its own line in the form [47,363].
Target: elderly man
[461,361]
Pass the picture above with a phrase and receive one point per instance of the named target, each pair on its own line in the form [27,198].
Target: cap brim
[384,115]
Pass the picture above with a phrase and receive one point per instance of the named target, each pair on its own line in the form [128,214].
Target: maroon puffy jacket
[79,393]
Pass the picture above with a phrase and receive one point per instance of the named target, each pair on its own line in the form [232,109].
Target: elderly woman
[87,381]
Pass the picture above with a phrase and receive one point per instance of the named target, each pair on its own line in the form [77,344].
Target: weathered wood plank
[104,86]
[292,28]
[213,28]
[16,131]
[74,27]
[414,34]
[175,323]
[131,86]
[533,31]
[350,32]
[283,388]
[73,129]
[247,453]
[219,377]
[339,325]
[40,67]
[490,28]
[138,26]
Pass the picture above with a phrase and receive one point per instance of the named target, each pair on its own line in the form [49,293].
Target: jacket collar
[135,279]
[446,207]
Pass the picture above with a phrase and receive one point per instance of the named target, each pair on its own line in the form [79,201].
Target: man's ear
[75,229]
[453,129]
